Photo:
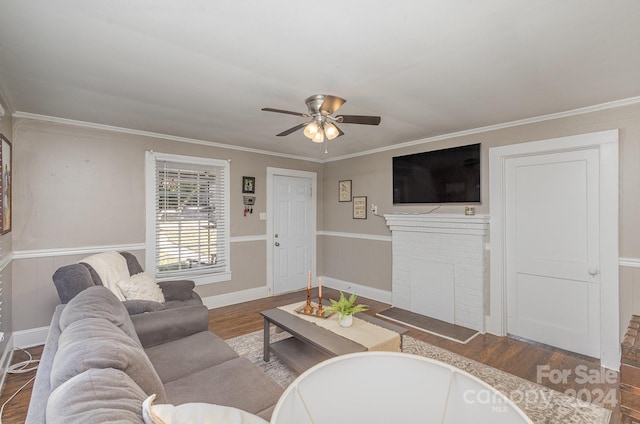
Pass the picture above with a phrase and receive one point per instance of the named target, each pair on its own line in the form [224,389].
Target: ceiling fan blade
[358,119]
[331,104]
[291,130]
[288,112]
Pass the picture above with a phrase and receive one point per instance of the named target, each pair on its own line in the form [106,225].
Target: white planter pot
[346,321]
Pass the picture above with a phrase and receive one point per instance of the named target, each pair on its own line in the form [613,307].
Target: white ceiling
[203,69]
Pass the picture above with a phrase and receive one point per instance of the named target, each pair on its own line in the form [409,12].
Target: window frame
[151,161]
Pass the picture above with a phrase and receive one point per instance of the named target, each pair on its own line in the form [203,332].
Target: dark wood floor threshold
[429,324]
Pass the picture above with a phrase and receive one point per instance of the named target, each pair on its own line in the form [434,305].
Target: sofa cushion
[98,302]
[190,354]
[96,396]
[132,263]
[196,412]
[238,383]
[97,343]
[71,280]
[141,286]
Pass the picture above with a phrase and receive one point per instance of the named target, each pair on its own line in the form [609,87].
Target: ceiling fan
[322,126]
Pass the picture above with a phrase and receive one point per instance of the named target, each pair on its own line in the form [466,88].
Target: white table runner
[369,335]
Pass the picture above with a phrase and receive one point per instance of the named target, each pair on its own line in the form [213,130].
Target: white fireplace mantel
[439,223]
[440,266]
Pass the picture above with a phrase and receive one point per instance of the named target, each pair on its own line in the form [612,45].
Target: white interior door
[292,232]
[552,249]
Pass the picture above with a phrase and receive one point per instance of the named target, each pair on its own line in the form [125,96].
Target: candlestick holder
[308,309]
[320,311]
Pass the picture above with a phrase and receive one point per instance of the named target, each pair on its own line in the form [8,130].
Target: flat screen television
[440,176]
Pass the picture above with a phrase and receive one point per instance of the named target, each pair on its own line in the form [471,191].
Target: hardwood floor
[16,410]
[532,361]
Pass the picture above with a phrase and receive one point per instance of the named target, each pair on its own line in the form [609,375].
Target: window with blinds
[188,234]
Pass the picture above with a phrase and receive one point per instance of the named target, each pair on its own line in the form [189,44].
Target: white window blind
[190,238]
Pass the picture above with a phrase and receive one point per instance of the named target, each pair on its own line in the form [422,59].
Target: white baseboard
[6,361]
[227,299]
[262,292]
[31,337]
[364,291]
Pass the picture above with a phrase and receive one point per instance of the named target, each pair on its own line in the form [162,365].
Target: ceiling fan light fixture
[311,129]
[318,137]
[331,131]
[321,127]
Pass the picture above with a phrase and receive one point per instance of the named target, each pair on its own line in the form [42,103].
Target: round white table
[388,387]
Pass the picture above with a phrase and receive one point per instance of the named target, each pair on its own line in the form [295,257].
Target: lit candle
[309,281]
[319,286]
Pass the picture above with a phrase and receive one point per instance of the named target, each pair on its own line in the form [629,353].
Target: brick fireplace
[440,266]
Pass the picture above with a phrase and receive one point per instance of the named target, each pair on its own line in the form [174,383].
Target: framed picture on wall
[248,184]
[5,185]
[360,207]
[344,191]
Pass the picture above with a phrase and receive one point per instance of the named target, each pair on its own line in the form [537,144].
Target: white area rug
[541,404]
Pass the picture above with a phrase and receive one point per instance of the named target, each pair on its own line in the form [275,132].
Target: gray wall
[371,176]
[78,188]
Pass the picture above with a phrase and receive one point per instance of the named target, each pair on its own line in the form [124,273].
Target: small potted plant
[346,308]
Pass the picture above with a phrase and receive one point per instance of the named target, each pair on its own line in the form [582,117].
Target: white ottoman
[388,387]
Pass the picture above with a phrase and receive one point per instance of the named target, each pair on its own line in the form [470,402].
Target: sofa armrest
[36,413]
[137,306]
[167,325]
[177,289]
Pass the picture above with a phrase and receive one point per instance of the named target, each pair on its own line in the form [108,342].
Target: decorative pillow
[141,286]
[196,412]
[96,396]
[97,343]
[98,302]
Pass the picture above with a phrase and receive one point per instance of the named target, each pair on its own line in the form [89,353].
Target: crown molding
[150,134]
[574,112]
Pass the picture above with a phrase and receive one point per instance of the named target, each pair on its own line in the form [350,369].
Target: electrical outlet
[374,209]
[263,216]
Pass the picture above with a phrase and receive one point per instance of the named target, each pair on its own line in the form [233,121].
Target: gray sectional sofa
[70,280]
[97,366]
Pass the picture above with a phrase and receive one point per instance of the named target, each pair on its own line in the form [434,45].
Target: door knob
[277,244]
[593,271]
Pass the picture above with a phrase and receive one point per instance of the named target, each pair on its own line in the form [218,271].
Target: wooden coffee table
[310,343]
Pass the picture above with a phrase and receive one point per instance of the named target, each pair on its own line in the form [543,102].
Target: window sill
[201,280]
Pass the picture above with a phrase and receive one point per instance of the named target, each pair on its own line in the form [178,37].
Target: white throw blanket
[111,267]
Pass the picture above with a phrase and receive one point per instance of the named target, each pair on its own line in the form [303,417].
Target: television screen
[440,176]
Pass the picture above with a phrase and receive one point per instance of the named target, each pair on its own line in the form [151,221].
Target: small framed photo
[248,184]
[360,207]
[344,191]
